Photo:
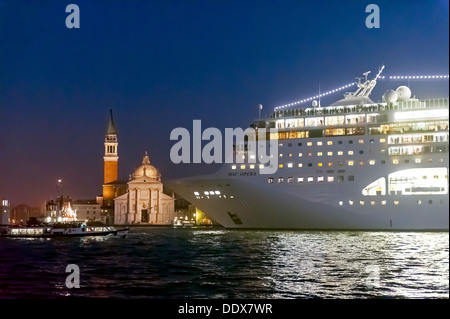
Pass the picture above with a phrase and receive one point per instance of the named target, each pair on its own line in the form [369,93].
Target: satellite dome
[390,96]
[404,93]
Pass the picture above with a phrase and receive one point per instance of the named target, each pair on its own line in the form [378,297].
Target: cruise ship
[352,165]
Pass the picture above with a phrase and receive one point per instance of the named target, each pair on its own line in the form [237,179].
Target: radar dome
[390,96]
[404,93]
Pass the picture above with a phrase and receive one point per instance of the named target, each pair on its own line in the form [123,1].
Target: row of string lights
[393,77]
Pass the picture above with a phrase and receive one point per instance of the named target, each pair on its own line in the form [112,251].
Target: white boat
[355,164]
[68,229]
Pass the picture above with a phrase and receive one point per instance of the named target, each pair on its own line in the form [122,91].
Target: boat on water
[66,229]
[355,165]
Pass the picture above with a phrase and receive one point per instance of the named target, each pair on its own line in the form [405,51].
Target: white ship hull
[256,205]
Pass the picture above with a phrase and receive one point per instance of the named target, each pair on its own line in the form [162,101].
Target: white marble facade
[144,203]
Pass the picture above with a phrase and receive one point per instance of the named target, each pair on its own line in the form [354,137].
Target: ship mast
[364,89]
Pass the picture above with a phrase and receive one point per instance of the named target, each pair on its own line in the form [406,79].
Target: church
[144,203]
[139,201]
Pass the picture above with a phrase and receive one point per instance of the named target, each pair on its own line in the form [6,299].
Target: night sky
[160,64]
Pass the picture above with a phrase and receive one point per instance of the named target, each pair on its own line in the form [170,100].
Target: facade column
[149,205]
[137,214]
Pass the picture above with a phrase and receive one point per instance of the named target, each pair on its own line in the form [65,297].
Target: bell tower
[110,159]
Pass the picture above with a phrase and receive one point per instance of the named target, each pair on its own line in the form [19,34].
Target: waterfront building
[145,202]
[5,212]
[21,213]
[89,209]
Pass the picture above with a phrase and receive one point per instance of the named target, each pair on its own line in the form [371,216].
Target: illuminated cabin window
[377,187]
[300,154]
[280,144]
[350,202]
[350,152]
[290,180]
[290,154]
[419,202]
[335,132]
[341,203]
[319,143]
[361,141]
[290,165]
[233,167]
[309,143]
[309,153]
[300,180]
[319,153]
[340,153]
[330,164]
[252,166]
[320,179]
[350,163]
[382,140]
[261,166]
[300,165]
[361,163]
[252,156]
[319,164]
[372,202]
[330,143]
[196,193]
[280,179]
[361,202]
[395,161]
[330,153]
[396,202]
[383,202]
[310,179]
[335,120]
[372,162]
[314,121]
[206,192]
[281,155]
[242,166]
[280,166]
[418,181]
[330,179]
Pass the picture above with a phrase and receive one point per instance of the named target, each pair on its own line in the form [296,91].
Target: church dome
[146,169]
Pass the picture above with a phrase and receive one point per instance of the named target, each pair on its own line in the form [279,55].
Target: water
[219,263]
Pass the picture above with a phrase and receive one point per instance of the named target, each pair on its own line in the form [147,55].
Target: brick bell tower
[112,187]
[110,159]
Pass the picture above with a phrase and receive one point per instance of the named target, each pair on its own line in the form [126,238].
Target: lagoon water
[218,263]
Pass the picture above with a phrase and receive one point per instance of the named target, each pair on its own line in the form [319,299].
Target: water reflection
[219,263]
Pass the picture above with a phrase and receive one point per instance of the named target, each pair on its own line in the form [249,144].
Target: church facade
[144,202]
